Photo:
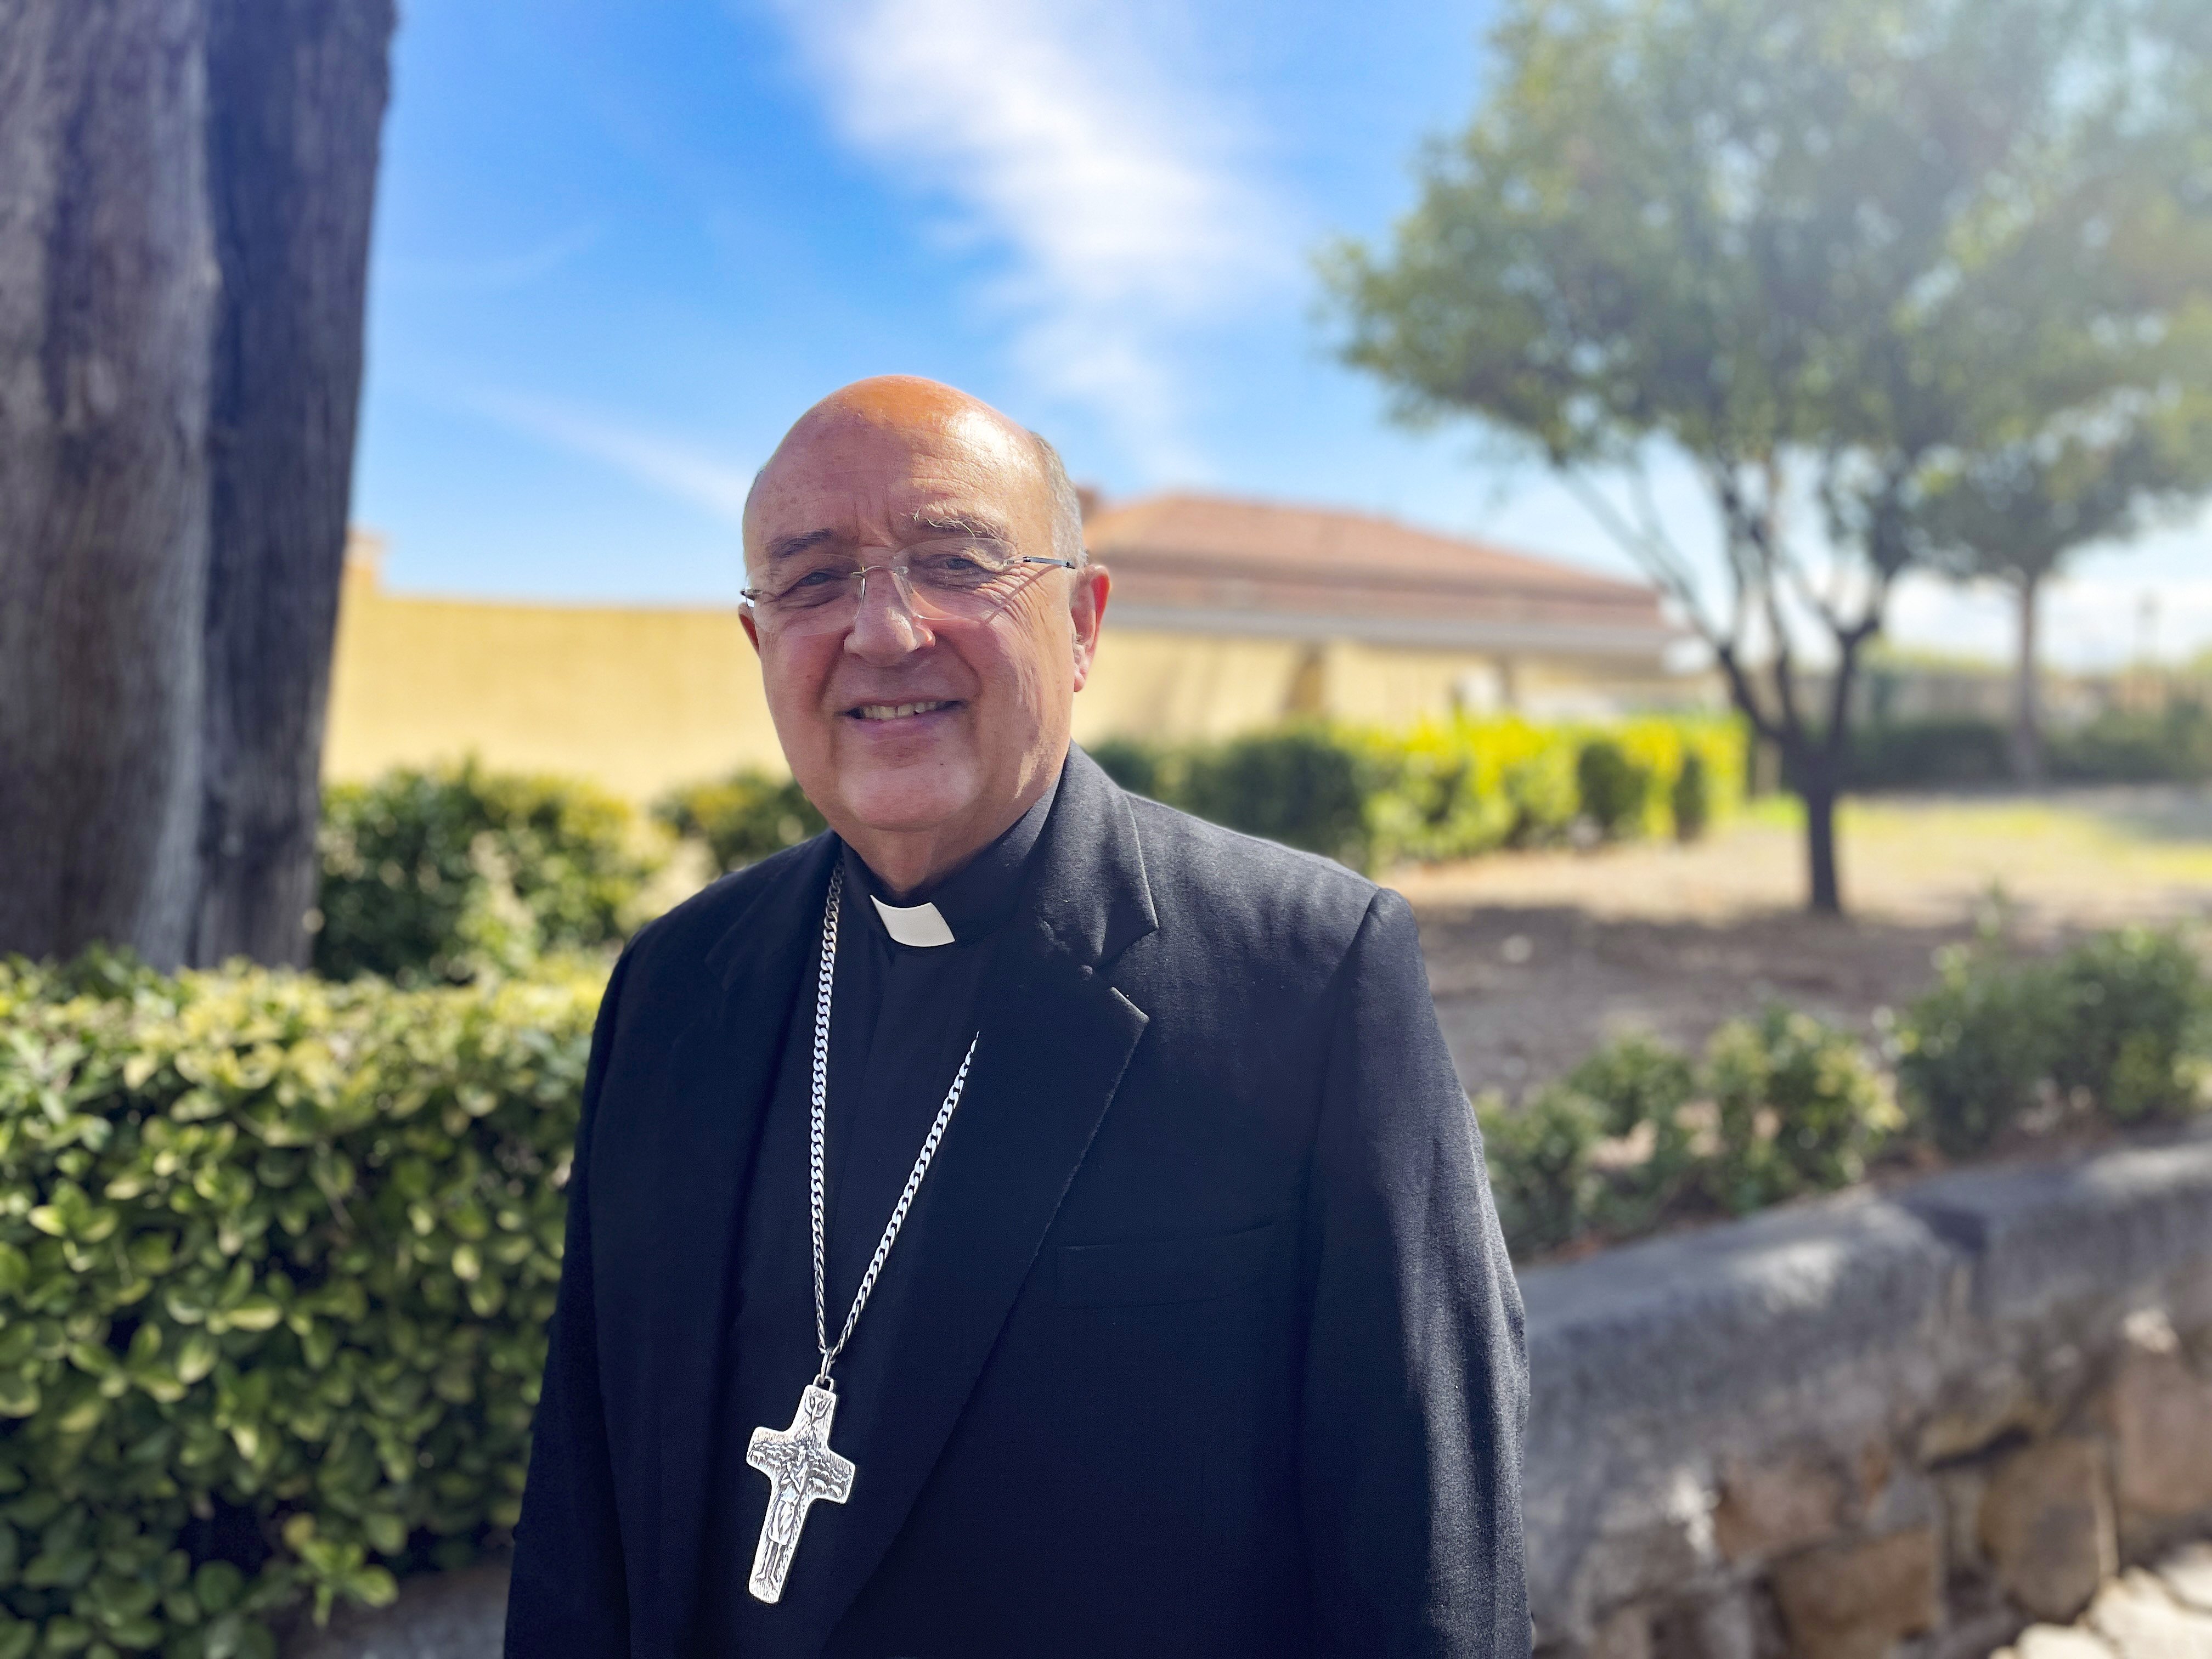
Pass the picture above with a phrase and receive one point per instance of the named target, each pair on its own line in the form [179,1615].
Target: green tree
[2019,511]
[1784,243]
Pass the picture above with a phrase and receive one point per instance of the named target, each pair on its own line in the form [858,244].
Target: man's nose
[885,626]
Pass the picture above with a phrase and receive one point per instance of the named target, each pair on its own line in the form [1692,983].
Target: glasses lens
[957,578]
[967,577]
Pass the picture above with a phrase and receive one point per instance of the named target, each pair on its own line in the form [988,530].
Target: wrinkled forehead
[870,480]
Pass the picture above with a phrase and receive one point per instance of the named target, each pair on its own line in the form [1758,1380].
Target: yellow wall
[641,700]
[638,700]
[1175,687]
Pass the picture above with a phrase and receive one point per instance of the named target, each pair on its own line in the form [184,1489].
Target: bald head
[921,728]
[908,406]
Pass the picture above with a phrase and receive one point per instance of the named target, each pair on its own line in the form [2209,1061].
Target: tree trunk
[108,283]
[1827,895]
[2026,699]
[297,94]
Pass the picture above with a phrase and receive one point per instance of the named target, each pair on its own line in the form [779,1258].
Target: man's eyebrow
[962,521]
[784,547]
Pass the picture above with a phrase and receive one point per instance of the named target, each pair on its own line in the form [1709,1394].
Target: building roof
[1215,565]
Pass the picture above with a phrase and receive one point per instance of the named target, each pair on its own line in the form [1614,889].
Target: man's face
[900,723]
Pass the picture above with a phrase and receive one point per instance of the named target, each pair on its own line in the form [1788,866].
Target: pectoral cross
[801,1469]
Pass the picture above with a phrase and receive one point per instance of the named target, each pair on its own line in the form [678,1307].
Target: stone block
[1853,1601]
[446,1615]
[1770,1509]
[2088,1230]
[2142,1621]
[1700,1321]
[1960,1491]
[2187,1572]
[1717,1627]
[2161,1415]
[1624,1633]
[1976,1413]
[1650,1542]
[2046,1525]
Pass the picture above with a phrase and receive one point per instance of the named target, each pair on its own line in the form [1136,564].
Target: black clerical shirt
[902,1017]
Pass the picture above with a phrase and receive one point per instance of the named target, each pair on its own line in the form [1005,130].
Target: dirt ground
[1536,958]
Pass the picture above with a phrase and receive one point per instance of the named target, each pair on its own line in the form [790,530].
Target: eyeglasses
[962,579]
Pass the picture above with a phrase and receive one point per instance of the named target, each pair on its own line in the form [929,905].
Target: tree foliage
[1791,245]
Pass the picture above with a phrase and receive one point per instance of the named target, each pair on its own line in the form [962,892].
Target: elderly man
[1023,1220]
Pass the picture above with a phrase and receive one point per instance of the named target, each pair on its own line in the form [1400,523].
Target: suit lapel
[702,1166]
[1056,1040]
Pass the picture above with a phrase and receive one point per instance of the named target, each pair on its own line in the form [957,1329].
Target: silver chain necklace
[800,1468]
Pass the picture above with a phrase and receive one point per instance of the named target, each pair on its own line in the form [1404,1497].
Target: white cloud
[1111,189]
[668,465]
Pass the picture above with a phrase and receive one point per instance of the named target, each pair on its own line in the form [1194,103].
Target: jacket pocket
[1148,1272]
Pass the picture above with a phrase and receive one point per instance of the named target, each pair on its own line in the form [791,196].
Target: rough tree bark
[185,197]
[300,89]
[108,283]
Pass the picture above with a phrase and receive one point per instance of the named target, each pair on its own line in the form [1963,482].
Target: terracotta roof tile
[1184,553]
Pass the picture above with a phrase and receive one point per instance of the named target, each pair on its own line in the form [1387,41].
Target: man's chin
[907,800]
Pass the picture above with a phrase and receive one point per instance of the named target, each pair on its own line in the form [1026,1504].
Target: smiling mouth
[896,711]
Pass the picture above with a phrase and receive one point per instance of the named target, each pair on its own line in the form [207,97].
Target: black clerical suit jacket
[1206,1343]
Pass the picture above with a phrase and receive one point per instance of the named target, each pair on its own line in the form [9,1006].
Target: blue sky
[619,248]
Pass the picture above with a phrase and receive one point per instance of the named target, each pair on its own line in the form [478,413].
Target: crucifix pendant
[801,1469]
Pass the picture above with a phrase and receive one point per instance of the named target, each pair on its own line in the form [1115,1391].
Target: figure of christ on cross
[800,1468]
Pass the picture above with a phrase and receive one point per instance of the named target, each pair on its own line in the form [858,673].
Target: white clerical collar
[913,923]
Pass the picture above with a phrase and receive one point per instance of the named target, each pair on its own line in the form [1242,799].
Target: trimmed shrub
[1929,754]
[1611,790]
[1972,1054]
[2170,745]
[1448,789]
[743,818]
[1799,1107]
[2132,1006]
[435,877]
[1135,765]
[276,1257]
[1689,798]
[2117,1024]
[1649,1159]
[1541,1174]
[1301,786]
[2173,745]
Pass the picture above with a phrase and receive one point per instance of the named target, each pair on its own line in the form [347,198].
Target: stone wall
[1912,1422]
[1918,1421]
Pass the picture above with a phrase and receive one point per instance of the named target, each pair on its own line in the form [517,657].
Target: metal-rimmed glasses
[955,580]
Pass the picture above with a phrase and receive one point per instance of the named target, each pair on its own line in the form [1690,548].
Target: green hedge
[1448,789]
[1778,1106]
[2173,745]
[2117,1026]
[743,818]
[2117,1030]
[276,1257]
[436,876]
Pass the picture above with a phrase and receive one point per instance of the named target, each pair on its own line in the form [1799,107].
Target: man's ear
[752,628]
[1086,609]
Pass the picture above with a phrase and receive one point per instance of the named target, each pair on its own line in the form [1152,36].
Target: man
[1023,1220]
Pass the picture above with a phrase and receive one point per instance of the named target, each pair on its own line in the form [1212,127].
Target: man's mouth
[896,711]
